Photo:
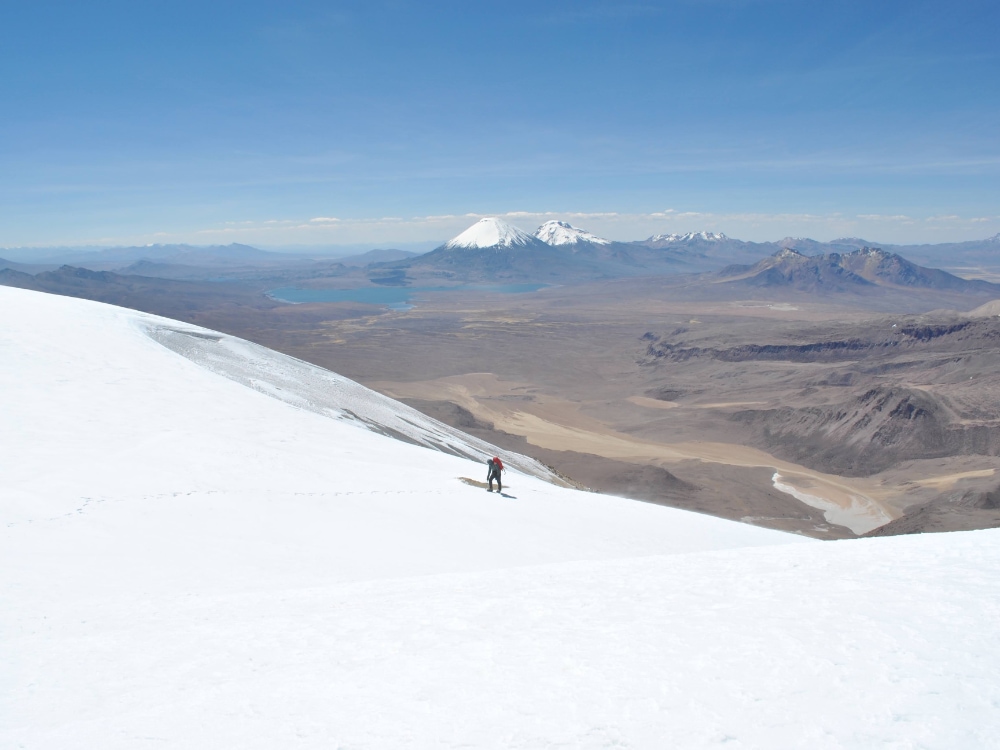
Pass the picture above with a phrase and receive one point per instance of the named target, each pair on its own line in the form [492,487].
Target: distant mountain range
[117,258]
[375,256]
[159,295]
[24,267]
[492,249]
[692,252]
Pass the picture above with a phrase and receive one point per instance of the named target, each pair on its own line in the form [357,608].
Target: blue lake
[393,297]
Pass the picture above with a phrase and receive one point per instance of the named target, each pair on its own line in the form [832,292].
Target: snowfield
[206,544]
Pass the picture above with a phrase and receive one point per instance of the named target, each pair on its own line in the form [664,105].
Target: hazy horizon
[343,248]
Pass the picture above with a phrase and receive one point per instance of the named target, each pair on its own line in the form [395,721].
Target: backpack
[499,465]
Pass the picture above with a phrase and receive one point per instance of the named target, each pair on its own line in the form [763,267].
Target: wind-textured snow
[562,233]
[707,236]
[192,556]
[491,232]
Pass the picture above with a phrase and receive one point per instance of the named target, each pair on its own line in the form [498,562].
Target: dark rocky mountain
[708,251]
[20,279]
[854,271]
[808,246]
[790,268]
[942,255]
[882,267]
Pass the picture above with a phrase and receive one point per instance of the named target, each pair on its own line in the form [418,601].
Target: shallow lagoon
[393,297]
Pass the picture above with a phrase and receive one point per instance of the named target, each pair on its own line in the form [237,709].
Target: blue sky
[285,123]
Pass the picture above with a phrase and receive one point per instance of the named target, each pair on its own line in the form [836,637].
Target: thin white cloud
[884,217]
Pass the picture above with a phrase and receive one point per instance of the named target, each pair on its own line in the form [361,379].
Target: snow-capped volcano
[491,232]
[706,236]
[492,250]
[563,233]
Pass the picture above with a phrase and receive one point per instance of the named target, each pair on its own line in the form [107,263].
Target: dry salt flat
[207,544]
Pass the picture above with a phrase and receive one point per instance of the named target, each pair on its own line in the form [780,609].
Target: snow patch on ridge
[706,236]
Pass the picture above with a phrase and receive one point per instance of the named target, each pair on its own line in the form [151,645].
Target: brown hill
[857,271]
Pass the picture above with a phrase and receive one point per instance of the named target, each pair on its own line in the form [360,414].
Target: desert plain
[747,408]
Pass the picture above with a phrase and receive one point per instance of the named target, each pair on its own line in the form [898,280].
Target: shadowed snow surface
[204,544]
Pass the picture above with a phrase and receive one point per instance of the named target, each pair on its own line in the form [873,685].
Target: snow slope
[562,233]
[491,232]
[186,561]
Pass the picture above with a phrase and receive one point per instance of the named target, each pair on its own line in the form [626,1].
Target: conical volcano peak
[564,233]
[491,232]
